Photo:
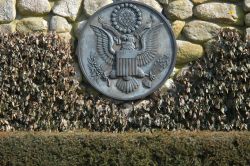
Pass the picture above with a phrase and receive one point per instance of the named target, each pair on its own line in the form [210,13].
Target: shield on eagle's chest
[126,63]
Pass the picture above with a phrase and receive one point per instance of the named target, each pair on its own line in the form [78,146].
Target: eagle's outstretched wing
[150,45]
[104,45]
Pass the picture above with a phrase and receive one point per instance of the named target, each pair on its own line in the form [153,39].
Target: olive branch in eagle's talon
[96,70]
[158,66]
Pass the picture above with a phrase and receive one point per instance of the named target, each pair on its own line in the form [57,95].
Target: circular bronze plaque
[127,50]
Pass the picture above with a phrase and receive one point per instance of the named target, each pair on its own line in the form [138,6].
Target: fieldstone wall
[194,22]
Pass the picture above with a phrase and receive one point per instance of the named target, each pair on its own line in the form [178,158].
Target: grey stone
[67,8]
[7,10]
[91,6]
[200,1]
[163,2]
[169,84]
[247,5]
[248,35]
[177,27]
[32,24]
[33,7]
[59,24]
[78,28]
[7,28]
[204,1]
[188,52]
[220,12]
[181,9]
[247,19]
[175,71]
[153,3]
[200,31]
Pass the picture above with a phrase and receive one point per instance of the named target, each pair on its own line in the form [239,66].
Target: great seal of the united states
[126,50]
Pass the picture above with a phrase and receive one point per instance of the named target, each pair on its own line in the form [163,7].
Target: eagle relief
[127,55]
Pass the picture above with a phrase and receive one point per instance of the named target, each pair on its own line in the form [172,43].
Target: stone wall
[195,22]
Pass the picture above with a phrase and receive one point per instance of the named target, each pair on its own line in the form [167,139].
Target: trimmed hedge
[40,92]
[165,148]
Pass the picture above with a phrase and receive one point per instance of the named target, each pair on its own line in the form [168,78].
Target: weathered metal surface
[127,50]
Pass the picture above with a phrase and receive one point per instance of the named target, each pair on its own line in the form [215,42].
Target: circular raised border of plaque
[85,47]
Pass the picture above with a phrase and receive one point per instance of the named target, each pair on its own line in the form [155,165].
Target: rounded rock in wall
[67,8]
[163,2]
[32,24]
[220,12]
[200,31]
[7,11]
[33,7]
[152,3]
[188,52]
[179,10]
[178,27]
[247,19]
[247,5]
[78,27]
[200,1]
[248,35]
[59,24]
[7,28]
[91,6]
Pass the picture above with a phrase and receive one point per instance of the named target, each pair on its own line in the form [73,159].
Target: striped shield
[126,66]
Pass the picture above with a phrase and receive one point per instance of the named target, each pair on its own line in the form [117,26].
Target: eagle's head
[128,41]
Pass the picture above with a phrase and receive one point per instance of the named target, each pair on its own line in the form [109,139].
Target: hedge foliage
[169,148]
[214,92]
[39,91]
[37,82]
